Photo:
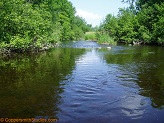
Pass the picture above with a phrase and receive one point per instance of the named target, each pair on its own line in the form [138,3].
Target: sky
[94,11]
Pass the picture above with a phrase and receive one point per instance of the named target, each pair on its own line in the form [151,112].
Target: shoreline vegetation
[140,23]
[34,25]
[8,51]
[99,38]
[37,25]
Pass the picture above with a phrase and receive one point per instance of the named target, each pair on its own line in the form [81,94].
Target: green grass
[100,38]
[90,36]
[105,39]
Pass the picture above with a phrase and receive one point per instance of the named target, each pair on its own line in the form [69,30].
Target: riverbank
[8,51]
[100,38]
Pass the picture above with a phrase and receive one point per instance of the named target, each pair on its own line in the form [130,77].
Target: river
[83,82]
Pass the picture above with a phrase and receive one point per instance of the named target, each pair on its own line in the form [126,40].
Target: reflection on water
[145,64]
[30,85]
[85,82]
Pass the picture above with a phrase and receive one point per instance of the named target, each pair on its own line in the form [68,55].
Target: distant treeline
[30,24]
[141,22]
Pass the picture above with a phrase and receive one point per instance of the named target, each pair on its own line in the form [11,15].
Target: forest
[38,24]
[141,23]
[35,24]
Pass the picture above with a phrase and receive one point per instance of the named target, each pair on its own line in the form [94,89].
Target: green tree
[28,24]
[158,31]
[141,23]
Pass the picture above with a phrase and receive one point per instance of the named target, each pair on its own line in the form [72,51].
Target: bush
[17,42]
[105,39]
[90,36]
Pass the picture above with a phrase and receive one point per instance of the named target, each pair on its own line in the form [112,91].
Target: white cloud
[90,17]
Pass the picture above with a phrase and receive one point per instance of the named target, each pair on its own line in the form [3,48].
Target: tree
[28,24]
[111,25]
[142,25]
[158,31]
[127,26]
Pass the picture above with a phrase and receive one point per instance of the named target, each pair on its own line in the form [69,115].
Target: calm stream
[83,82]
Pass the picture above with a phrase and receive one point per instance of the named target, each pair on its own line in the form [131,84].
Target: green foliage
[141,25]
[99,37]
[126,30]
[80,27]
[105,39]
[121,28]
[90,36]
[18,42]
[23,25]
[151,22]
[158,27]
[144,34]
[111,25]
[33,23]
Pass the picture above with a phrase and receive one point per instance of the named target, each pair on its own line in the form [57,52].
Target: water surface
[85,82]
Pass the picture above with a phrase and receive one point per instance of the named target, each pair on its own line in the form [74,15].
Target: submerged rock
[109,48]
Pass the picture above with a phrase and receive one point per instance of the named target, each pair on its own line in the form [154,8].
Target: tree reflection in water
[30,84]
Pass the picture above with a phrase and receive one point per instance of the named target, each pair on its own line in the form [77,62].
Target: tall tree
[28,24]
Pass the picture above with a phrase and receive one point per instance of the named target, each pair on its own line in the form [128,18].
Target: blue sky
[94,11]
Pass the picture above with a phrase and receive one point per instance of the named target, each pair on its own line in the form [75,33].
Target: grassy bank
[105,39]
[90,36]
[99,38]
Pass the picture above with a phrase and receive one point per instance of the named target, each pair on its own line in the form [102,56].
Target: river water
[83,82]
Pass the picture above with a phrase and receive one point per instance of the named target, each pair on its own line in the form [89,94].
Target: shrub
[90,36]
[105,39]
